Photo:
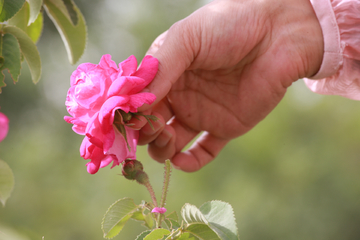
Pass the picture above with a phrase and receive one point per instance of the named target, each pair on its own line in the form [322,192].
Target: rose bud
[131,168]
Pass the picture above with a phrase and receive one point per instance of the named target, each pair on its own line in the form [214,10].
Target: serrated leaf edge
[108,210]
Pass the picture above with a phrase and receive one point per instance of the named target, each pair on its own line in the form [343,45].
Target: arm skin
[222,70]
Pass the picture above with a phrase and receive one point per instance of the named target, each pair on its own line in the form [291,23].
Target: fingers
[175,50]
[202,152]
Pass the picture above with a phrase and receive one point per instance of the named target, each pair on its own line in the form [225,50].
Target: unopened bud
[131,168]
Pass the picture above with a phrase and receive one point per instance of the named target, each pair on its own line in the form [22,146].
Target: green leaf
[173,215]
[35,8]
[11,56]
[143,235]
[117,215]
[172,220]
[70,7]
[197,224]
[139,215]
[2,60]
[149,221]
[186,236]
[34,30]
[6,182]
[202,231]
[220,216]
[28,49]
[172,224]
[10,8]
[157,234]
[67,8]
[1,5]
[21,20]
[191,214]
[74,37]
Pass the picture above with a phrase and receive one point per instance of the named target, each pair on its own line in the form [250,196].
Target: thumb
[175,53]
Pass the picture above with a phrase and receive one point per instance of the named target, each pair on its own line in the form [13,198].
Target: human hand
[222,70]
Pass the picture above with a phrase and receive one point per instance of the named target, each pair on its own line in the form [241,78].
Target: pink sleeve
[339,73]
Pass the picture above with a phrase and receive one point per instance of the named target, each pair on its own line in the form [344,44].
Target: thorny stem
[152,193]
[165,190]
[166,182]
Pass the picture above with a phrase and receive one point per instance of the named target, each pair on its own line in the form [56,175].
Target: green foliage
[213,221]
[21,20]
[25,22]
[157,234]
[67,8]
[10,53]
[73,36]
[143,235]
[28,50]
[202,231]
[10,8]
[220,216]
[117,215]
[6,182]
[35,8]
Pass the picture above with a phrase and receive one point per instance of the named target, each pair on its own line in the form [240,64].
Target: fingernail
[163,139]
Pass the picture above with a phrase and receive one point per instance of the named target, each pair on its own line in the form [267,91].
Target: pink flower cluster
[97,92]
[4,126]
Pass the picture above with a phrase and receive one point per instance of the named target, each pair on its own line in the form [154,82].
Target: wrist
[302,34]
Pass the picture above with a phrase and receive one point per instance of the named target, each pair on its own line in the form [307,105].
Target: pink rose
[4,126]
[96,94]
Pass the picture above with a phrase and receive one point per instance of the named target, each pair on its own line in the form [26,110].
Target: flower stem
[152,193]
[165,190]
[166,182]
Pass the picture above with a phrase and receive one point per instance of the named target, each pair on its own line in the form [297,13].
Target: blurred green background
[294,176]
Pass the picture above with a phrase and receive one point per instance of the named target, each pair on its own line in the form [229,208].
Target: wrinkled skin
[222,70]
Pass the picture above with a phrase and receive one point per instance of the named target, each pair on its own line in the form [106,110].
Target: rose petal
[126,85]
[148,69]
[107,111]
[120,148]
[128,66]
[139,99]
